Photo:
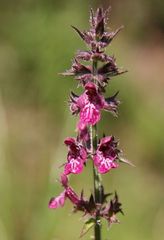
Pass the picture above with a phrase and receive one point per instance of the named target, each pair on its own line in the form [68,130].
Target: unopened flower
[106,155]
[76,157]
[85,73]
[97,37]
[94,55]
[80,71]
[111,104]
[111,209]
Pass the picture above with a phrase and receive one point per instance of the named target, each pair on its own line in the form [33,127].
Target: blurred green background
[37,43]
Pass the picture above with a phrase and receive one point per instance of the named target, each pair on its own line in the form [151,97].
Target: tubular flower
[67,193]
[106,155]
[76,157]
[89,105]
[80,204]
[106,210]
[58,201]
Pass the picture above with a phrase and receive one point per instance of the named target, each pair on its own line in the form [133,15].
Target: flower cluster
[87,107]
[90,207]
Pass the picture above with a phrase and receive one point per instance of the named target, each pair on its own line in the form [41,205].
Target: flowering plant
[103,152]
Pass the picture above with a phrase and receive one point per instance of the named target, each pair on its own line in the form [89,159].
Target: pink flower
[67,193]
[88,115]
[76,157]
[90,104]
[106,155]
[58,201]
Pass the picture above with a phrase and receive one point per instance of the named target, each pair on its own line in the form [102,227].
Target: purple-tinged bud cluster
[93,77]
[97,38]
[89,207]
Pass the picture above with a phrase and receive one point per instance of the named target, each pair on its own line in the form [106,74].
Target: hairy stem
[96,175]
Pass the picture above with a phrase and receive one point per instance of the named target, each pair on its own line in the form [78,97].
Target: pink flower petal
[105,140]
[74,166]
[58,201]
[104,164]
[88,115]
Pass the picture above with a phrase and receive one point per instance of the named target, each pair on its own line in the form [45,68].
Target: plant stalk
[96,175]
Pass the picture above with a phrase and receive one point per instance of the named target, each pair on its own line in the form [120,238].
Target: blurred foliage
[37,43]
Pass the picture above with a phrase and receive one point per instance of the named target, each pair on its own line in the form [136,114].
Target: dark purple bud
[77,69]
[92,19]
[73,197]
[74,108]
[111,104]
[99,15]
[100,28]
[88,207]
[91,203]
[108,37]
[84,55]
[64,180]
[70,142]
[110,211]
[109,69]
[94,55]
[116,205]
[95,18]
[100,56]
[84,79]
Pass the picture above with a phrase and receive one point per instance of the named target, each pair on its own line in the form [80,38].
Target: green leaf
[87,226]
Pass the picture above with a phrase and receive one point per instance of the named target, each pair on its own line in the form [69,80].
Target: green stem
[97,182]
[96,175]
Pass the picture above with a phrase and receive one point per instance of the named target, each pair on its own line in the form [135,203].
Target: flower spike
[93,69]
